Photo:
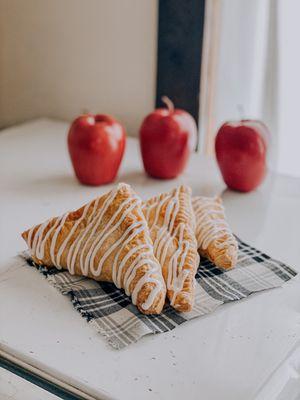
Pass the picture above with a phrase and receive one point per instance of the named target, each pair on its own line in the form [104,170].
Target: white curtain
[251,64]
[234,69]
[288,160]
[241,67]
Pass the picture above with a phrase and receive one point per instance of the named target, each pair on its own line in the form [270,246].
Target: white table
[244,350]
[12,387]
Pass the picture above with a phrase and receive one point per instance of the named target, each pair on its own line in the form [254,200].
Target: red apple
[241,149]
[96,146]
[167,137]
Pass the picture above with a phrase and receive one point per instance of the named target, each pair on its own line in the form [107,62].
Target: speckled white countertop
[245,350]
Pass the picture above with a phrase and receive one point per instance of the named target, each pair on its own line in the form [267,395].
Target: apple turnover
[215,239]
[107,240]
[171,222]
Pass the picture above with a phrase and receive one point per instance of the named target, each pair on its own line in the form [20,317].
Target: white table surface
[245,350]
[12,387]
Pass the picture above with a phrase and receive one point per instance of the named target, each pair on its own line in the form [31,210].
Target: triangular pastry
[107,240]
[171,222]
[214,237]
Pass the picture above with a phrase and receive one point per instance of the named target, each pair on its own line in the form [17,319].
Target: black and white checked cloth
[112,314]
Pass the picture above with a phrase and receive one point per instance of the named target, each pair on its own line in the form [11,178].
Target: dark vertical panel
[180,36]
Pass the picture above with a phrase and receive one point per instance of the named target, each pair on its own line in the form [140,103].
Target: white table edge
[42,371]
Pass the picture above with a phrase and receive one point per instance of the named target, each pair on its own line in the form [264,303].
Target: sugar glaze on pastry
[214,237]
[171,222]
[114,235]
[163,241]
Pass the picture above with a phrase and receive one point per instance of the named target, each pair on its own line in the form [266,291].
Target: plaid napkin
[111,312]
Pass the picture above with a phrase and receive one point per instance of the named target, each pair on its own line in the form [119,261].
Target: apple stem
[169,103]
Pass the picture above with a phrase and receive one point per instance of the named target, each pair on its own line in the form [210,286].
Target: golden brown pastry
[108,240]
[214,237]
[171,222]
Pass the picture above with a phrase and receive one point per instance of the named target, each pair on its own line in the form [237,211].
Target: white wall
[60,57]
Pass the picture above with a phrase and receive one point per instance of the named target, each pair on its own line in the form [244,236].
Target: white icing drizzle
[54,238]
[117,272]
[72,231]
[211,223]
[157,212]
[97,271]
[37,244]
[92,228]
[176,273]
[105,233]
[94,241]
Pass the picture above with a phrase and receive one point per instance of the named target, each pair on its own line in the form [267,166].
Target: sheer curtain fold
[237,79]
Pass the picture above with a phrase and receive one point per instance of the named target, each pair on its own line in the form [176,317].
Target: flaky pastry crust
[171,222]
[214,237]
[107,240]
